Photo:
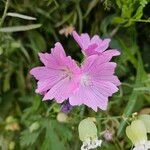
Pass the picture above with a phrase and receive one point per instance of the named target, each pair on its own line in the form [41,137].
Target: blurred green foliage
[28,27]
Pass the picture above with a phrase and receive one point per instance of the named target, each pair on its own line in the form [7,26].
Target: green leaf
[20,16]
[142,89]
[105,24]
[20,80]
[51,141]
[63,131]
[20,28]
[27,138]
[37,41]
[126,12]
[139,13]
[25,52]
[118,20]
[144,2]
[6,84]
[118,2]
[65,19]
[128,52]
[91,5]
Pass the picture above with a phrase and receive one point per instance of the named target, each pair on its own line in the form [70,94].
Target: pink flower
[91,84]
[92,46]
[58,77]
[97,82]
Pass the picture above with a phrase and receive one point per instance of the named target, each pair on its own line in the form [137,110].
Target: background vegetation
[28,123]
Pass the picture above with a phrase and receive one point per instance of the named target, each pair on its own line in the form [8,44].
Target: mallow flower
[137,133]
[97,82]
[90,84]
[94,45]
[57,78]
[88,134]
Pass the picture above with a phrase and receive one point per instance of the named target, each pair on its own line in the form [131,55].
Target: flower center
[85,80]
[66,72]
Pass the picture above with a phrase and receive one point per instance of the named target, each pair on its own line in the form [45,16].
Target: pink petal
[90,50]
[106,88]
[77,38]
[89,63]
[47,78]
[61,91]
[103,45]
[107,68]
[83,40]
[90,97]
[44,86]
[96,65]
[58,51]
[54,59]
[111,78]
[111,52]
[45,58]
[70,63]
[44,72]
[96,39]
[107,55]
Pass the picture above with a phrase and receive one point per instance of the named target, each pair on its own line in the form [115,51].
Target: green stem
[80,17]
[117,143]
[116,117]
[4,13]
[140,20]
[132,100]
[82,112]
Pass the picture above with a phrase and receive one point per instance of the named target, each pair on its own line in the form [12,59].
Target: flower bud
[87,129]
[10,119]
[14,126]
[66,107]
[108,135]
[88,134]
[146,120]
[11,145]
[136,132]
[62,117]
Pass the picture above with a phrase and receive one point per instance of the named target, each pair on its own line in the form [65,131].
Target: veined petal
[90,50]
[44,73]
[103,45]
[96,39]
[90,96]
[111,78]
[83,40]
[62,90]
[58,51]
[55,58]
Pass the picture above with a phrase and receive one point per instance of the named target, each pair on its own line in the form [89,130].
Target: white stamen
[91,144]
[85,80]
[143,145]
[66,72]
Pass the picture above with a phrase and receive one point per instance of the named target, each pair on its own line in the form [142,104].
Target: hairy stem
[4,13]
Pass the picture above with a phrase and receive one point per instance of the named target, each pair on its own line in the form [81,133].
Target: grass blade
[20,16]
[20,28]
